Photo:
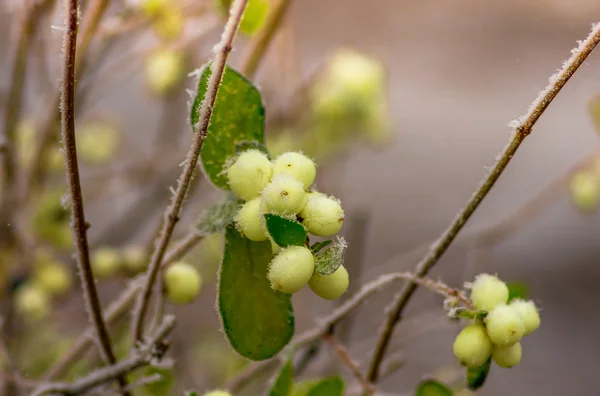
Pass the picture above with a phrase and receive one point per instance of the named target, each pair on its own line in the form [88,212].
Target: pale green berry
[284,195]
[322,215]
[217,393]
[249,221]
[165,68]
[249,174]
[296,165]
[356,73]
[488,291]
[507,357]
[291,269]
[585,190]
[529,314]
[32,302]
[105,262]
[182,283]
[52,278]
[135,259]
[332,286]
[472,346]
[504,326]
[97,142]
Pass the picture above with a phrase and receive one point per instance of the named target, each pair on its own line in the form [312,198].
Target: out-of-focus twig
[343,353]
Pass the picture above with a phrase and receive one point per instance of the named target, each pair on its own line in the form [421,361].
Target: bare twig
[343,353]
[523,128]
[155,348]
[171,215]
[257,48]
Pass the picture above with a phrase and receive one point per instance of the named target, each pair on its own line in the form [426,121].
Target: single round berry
[472,346]
[97,142]
[291,269]
[105,262]
[249,221]
[284,195]
[164,70]
[182,283]
[507,357]
[249,174]
[585,190]
[332,286]
[488,291]
[32,302]
[529,314]
[53,278]
[296,165]
[504,326]
[135,259]
[322,215]
[217,393]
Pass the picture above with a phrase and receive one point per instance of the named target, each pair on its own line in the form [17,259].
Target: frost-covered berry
[332,286]
[217,393]
[488,291]
[529,314]
[296,165]
[105,262]
[284,195]
[32,302]
[472,346]
[507,357]
[291,269]
[249,174]
[249,221]
[504,326]
[322,215]
[182,283]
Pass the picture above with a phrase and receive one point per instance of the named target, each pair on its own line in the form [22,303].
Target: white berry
[249,174]
[472,346]
[291,269]
[322,215]
[488,291]
[296,165]
[249,221]
[504,326]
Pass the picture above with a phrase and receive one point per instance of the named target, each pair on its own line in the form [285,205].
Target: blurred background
[452,76]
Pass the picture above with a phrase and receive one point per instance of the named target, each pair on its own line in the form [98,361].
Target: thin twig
[78,222]
[155,348]
[343,353]
[523,128]
[257,48]
[171,215]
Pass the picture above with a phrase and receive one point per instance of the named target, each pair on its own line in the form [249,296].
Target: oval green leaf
[238,116]
[219,215]
[258,321]
[318,246]
[476,376]
[285,380]
[431,387]
[331,386]
[330,260]
[284,231]
[517,290]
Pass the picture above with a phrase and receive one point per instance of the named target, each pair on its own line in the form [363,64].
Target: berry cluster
[500,332]
[282,187]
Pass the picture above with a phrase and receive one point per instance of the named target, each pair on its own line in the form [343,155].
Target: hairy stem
[171,215]
[523,128]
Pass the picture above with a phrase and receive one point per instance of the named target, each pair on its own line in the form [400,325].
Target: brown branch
[343,353]
[257,48]
[171,215]
[523,128]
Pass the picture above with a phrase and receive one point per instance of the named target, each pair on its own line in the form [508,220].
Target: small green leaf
[330,260]
[331,386]
[303,387]
[258,321]
[318,246]
[517,290]
[191,393]
[215,218]
[238,115]
[285,380]
[284,231]
[476,376]
[431,387]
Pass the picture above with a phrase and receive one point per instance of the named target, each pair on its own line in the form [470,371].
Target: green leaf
[191,393]
[238,115]
[161,386]
[517,290]
[332,386]
[330,260]
[284,231]
[285,380]
[258,321]
[476,376]
[215,218]
[431,387]
[318,246]
[303,387]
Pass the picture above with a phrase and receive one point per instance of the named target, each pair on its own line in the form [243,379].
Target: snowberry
[182,283]
[472,346]
[585,190]
[249,174]
[504,325]
[297,165]
[164,70]
[217,393]
[97,142]
[529,314]
[32,302]
[105,262]
[507,357]
[322,215]
[291,269]
[332,286]
[52,278]
[488,291]
[284,195]
[249,221]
